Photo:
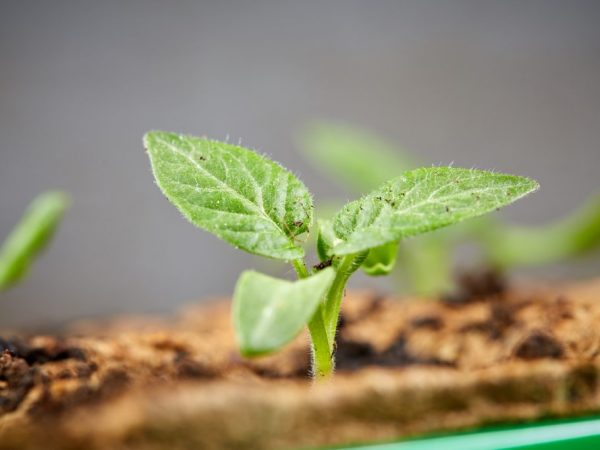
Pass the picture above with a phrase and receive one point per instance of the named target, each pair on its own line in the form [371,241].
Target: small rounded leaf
[269,312]
[381,260]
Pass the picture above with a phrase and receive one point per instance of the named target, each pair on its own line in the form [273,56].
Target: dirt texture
[404,367]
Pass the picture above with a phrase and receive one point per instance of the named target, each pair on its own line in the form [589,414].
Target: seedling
[30,237]
[359,160]
[258,206]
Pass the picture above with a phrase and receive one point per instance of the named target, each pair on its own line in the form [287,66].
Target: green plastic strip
[574,435]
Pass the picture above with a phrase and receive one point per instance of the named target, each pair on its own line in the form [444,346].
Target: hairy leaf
[30,236]
[244,198]
[269,312]
[422,200]
[381,260]
[356,158]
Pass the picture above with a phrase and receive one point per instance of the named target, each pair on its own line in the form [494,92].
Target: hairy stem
[333,302]
[322,358]
[322,363]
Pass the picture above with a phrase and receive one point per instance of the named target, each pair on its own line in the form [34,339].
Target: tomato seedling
[258,206]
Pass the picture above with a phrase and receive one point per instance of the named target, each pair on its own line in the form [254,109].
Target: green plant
[31,235]
[360,161]
[260,207]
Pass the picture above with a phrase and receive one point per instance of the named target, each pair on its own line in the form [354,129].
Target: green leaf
[268,312]
[422,200]
[381,260]
[242,197]
[30,236]
[354,157]
[572,236]
[325,239]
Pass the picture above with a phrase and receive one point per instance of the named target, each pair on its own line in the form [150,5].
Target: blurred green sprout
[30,236]
[360,160]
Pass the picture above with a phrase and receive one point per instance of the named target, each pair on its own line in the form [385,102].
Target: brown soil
[178,383]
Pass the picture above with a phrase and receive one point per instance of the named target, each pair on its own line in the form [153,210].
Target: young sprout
[361,160]
[570,237]
[258,206]
[30,236]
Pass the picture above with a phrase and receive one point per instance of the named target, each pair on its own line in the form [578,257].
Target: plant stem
[333,302]
[300,268]
[322,364]
[322,358]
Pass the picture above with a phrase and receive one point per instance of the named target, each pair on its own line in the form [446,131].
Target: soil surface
[404,367]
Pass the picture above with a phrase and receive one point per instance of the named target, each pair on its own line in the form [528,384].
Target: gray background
[506,85]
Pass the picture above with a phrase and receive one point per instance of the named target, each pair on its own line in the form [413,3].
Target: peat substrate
[486,354]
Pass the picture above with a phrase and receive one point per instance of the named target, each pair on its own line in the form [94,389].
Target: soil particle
[53,349]
[539,345]
[7,345]
[431,322]
[375,304]
[398,354]
[265,372]
[352,355]
[323,264]
[21,367]
[19,379]
[500,318]
[187,367]
[563,309]
[50,403]
[582,383]
[474,286]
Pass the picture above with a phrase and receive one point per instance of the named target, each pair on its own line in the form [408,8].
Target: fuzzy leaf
[357,158]
[30,236]
[269,312]
[244,198]
[381,260]
[422,200]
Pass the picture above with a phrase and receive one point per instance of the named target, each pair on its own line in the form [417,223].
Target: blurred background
[505,85]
